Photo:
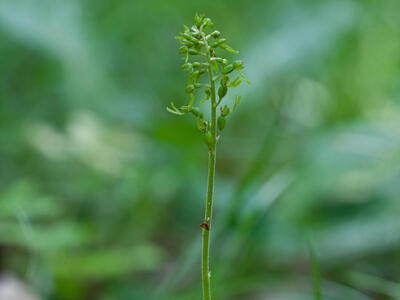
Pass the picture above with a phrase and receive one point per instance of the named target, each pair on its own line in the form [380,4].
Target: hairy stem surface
[206,275]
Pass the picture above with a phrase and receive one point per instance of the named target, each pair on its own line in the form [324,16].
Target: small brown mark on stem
[205,226]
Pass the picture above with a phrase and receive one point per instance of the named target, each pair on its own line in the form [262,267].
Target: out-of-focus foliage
[102,191]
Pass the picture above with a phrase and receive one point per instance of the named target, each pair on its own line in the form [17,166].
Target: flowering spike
[200,46]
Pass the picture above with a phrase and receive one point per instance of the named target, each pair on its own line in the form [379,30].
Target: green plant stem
[315,271]
[206,275]
[206,233]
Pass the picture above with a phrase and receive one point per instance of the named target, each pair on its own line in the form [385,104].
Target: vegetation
[102,190]
[196,42]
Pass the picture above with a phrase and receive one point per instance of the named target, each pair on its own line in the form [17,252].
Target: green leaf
[237,101]
[244,77]
[174,110]
[235,82]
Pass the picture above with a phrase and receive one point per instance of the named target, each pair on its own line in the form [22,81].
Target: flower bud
[197,112]
[202,125]
[218,43]
[186,66]
[227,69]
[216,34]
[187,43]
[208,138]
[221,122]
[207,22]
[183,50]
[208,92]
[190,38]
[222,91]
[189,88]
[223,61]
[224,80]
[238,64]
[198,20]
[196,35]
[221,41]
[225,111]
[193,52]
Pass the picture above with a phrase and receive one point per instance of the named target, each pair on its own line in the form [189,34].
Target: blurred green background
[102,191]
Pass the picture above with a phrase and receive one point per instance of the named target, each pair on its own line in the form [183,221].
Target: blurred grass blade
[375,284]
[316,273]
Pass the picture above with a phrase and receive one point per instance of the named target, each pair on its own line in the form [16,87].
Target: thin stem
[210,188]
[206,232]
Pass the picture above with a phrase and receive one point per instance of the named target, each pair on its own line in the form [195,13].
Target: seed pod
[227,69]
[196,64]
[221,122]
[201,71]
[208,138]
[189,88]
[222,91]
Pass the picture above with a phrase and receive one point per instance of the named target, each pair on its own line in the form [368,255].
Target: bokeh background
[102,191]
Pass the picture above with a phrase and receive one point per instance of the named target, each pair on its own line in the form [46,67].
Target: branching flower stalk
[199,49]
